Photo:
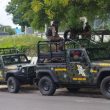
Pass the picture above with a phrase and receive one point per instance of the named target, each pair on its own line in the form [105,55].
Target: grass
[23,42]
[28,43]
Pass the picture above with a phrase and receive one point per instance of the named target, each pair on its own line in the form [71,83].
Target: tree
[72,8]
[7,29]
[17,10]
[24,15]
[37,13]
[70,11]
[10,30]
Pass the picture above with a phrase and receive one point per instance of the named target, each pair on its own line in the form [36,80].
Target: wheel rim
[11,83]
[108,87]
[46,86]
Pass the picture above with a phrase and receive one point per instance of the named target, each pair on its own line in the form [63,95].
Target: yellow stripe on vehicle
[1,78]
[80,79]
[84,78]
[5,72]
[60,69]
[11,67]
[94,71]
[75,78]
[104,64]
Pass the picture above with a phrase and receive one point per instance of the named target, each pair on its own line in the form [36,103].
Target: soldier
[52,34]
[77,57]
[54,60]
[87,31]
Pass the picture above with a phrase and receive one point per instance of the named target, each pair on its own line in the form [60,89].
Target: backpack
[49,32]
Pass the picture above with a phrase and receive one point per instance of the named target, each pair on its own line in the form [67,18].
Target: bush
[23,42]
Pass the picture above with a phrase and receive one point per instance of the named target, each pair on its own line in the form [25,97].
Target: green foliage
[24,15]
[69,11]
[10,30]
[72,16]
[37,13]
[21,42]
[18,11]
[106,45]
[7,29]
[44,48]
[37,5]
[23,48]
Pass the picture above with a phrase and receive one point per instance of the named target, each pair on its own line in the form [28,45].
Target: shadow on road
[88,92]
[23,88]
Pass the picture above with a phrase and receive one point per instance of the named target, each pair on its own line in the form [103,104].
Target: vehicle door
[79,70]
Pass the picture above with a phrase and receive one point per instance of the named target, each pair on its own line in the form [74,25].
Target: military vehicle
[92,72]
[15,69]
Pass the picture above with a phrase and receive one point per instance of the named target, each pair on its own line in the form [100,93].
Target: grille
[31,70]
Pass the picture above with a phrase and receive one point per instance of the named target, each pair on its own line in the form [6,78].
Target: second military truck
[15,69]
[56,69]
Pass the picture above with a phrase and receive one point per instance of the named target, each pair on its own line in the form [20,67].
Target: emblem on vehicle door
[81,70]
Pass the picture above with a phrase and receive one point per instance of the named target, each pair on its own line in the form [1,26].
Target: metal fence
[4,34]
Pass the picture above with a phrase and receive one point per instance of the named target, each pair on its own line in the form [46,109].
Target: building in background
[102,24]
[18,31]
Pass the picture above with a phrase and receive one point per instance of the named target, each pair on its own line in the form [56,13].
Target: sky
[4,18]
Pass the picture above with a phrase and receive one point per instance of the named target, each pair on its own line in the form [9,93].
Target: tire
[73,89]
[105,87]
[13,85]
[46,86]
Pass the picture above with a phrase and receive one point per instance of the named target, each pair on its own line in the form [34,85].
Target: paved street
[29,98]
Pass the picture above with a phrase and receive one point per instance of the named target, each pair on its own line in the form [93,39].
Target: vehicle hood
[18,66]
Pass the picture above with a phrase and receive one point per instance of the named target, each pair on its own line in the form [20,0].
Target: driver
[77,57]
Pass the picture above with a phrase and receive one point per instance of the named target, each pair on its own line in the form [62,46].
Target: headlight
[23,70]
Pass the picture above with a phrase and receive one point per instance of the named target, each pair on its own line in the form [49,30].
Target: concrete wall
[42,35]
[61,34]
[29,30]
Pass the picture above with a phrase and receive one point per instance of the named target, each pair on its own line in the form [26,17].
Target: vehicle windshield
[98,54]
[14,59]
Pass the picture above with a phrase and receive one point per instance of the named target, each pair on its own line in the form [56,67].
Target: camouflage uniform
[55,37]
[87,31]
[54,60]
[52,35]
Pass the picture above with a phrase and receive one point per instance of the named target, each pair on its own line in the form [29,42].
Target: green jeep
[91,69]
[15,69]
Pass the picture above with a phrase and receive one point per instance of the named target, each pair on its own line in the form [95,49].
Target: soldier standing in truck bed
[87,31]
[52,34]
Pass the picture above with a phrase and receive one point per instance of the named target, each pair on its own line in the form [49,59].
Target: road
[29,98]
